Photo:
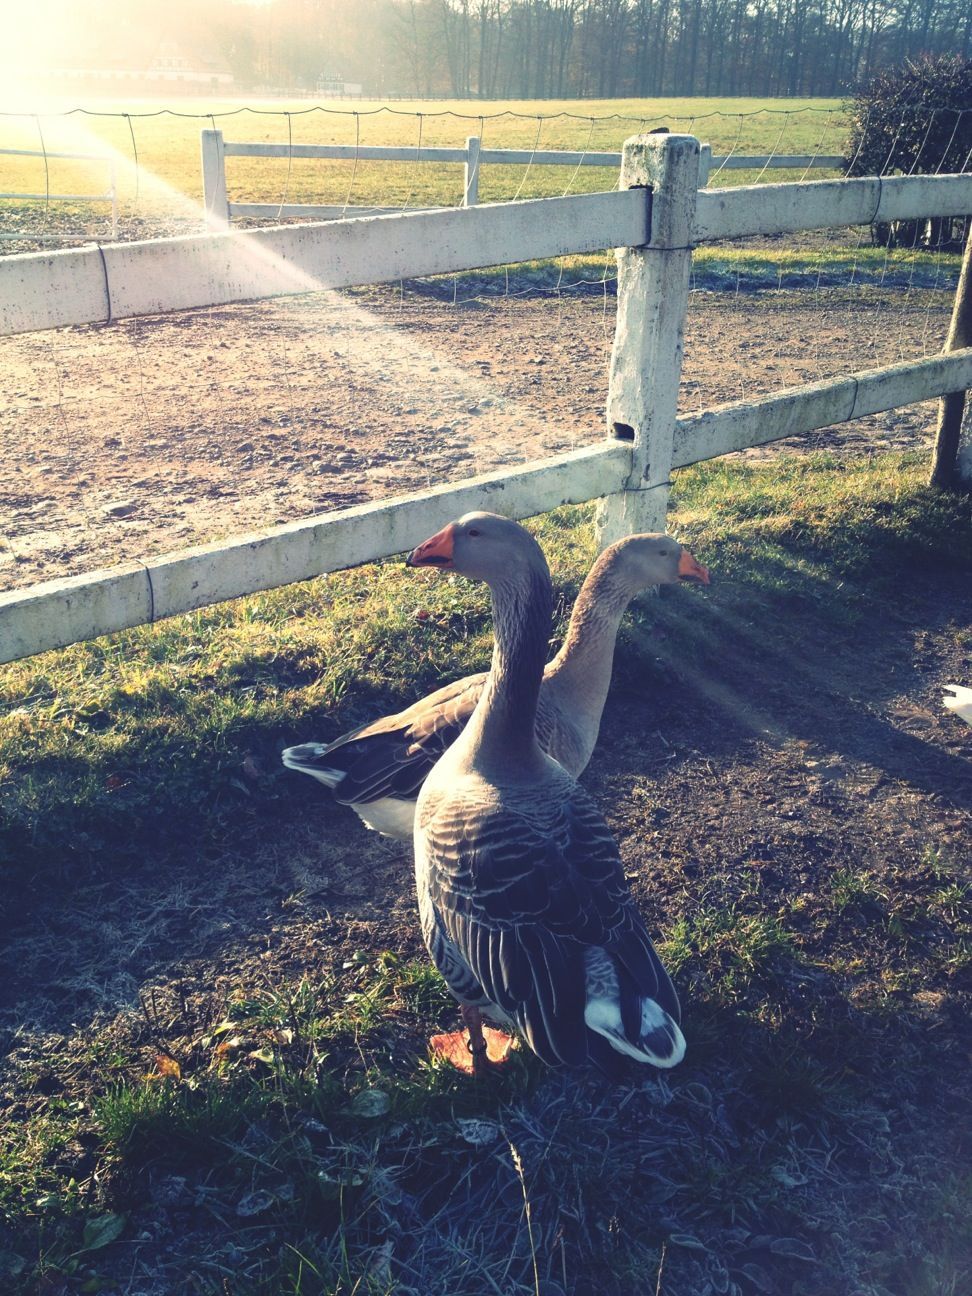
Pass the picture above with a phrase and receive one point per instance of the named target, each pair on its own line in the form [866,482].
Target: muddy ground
[152,435]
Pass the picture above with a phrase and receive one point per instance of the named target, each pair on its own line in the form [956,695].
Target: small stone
[119,508]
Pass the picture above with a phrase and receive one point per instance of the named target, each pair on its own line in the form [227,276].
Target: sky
[42,34]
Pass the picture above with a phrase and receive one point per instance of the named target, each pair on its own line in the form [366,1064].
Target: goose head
[640,561]
[482,546]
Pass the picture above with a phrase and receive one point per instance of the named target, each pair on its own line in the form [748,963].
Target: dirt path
[158,434]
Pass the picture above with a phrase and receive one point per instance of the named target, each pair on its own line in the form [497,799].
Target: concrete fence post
[214,179]
[646,361]
[470,195]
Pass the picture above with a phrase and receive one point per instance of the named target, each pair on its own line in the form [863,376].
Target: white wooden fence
[219,210]
[109,195]
[655,219]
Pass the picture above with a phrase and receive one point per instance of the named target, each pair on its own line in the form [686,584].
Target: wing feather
[520,890]
[391,757]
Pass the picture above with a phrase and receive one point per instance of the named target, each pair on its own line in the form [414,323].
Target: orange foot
[455,1048]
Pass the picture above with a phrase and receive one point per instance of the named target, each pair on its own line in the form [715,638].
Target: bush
[914,120]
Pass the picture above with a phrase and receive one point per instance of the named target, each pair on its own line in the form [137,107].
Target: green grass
[167,145]
[284,1104]
[824,530]
[735,269]
[735,949]
[285,1130]
[742,269]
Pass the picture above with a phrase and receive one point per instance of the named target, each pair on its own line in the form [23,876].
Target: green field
[164,137]
[163,191]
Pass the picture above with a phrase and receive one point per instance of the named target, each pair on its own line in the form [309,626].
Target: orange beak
[436,551]
[689,569]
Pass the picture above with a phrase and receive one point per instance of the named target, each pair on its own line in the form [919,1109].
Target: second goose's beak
[436,551]
[689,569]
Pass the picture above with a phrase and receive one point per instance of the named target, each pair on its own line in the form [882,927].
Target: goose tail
[660,1041]
[309,758]
[633,1024]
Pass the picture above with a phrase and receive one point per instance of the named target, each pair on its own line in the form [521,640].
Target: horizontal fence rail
[110,195]
[91,285]
[827,204]
[512,157]
[741,424]
[215,150]
[655,236]
[56,613]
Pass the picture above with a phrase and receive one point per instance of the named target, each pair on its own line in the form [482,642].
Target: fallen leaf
[254,1203]
[687,1241]
[167,1066]
[480,1133]
[793,1248]
[100,1231]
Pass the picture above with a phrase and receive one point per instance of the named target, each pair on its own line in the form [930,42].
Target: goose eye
[473,532]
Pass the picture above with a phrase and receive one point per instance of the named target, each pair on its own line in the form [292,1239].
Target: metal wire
[290,164]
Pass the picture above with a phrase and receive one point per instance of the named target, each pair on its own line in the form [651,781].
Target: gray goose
[522,898]
[378,769]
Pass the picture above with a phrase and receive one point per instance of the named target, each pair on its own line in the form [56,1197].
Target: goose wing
[391,757]
[524,893]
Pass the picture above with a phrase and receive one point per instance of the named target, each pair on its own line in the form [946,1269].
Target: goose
[961,702]
[522,898]
[379,768]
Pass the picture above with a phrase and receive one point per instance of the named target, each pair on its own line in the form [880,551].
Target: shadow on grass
[815,637]
[766,1161]
[808,631]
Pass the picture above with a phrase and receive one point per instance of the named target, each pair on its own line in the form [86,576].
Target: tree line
[520,49]
[524,49]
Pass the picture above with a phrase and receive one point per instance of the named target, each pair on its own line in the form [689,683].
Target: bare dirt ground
[158,434]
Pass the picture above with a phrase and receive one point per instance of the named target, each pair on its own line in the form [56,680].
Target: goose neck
[506,714]
[584,663]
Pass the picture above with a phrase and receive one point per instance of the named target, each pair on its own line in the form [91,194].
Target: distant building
[168,69]
[335,87]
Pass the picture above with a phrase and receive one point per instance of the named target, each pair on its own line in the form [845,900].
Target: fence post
[705,165]
[952,461]
[214,179]
[646,361]
[470,196]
